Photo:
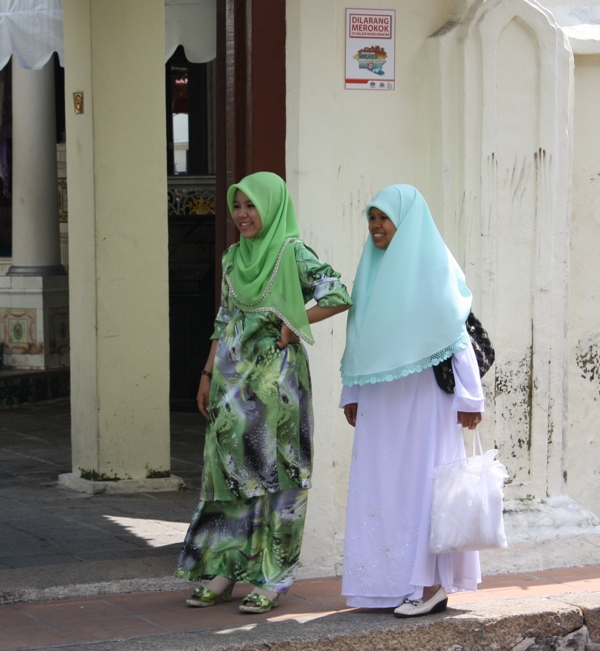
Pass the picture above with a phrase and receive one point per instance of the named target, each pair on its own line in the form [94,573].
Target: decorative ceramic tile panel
[58,335]
[17,331]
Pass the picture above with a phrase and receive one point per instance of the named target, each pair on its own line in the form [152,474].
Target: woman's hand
[350,411]
[469,419]
[315,314]
[204,388]
[203,393]
[287,337]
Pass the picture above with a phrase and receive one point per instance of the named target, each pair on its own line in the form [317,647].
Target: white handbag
[466,512]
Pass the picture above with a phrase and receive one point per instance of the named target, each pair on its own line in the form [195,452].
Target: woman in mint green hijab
[410,304]
[255,391]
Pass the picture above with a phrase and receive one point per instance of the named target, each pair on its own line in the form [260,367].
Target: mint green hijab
[261,272]
[410,301]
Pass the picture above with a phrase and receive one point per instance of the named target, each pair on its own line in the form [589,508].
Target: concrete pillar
[34,316]
[36,233]
[118,255]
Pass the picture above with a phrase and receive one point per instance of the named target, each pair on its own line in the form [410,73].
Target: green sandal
[204,598]
[258,603]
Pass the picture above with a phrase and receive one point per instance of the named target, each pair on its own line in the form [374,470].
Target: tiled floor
[534,584]
[125,616]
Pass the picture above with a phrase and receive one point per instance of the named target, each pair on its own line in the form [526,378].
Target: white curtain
[33,30]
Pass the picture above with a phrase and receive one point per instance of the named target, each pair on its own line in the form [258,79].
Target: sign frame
[370,49]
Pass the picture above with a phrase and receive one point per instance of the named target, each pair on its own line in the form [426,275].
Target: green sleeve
[319,281]
[223,315]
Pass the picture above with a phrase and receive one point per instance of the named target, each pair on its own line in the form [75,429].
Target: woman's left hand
[287,337]
[469,419]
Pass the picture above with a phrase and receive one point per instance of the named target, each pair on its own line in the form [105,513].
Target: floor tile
[330,603]
[91,620]
[501,580]
[314,587]
[561,575]
[11,616]
[32,635]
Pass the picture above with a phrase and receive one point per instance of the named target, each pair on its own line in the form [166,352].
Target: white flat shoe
[436,604]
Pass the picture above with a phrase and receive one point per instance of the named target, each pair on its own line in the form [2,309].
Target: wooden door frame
[250,101]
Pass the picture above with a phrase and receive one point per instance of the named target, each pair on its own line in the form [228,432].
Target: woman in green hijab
[255,391]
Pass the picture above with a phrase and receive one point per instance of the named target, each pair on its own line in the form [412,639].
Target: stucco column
[118,250]
[502,162]
[34,313]
[36,234]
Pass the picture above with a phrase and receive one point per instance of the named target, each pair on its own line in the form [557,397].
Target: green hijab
[261,271]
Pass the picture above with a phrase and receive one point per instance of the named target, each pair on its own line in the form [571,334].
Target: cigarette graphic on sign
[370,51]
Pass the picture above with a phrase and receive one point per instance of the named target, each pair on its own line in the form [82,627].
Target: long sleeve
[223,315]
[318,280]
[349,395]
[468,392]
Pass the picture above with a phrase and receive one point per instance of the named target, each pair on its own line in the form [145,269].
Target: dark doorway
[190,162]
[239,129]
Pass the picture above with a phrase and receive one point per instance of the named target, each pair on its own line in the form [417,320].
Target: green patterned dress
[258,451]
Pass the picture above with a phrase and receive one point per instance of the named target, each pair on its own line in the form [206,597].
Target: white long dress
[404,429]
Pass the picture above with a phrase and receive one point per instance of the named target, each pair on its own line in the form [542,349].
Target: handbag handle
[477,439]
[476,442]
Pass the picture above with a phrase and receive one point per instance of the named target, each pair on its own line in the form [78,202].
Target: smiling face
[381,227]
[245,216]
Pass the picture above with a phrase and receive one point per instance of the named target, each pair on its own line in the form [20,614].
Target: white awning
[193,24]
[33,30]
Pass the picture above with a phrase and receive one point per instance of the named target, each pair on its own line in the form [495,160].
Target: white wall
[481,122]
[342,147]
[583,478]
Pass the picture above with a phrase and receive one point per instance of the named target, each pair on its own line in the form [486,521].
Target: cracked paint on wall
[513,388]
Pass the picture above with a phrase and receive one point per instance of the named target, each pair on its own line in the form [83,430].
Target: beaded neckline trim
[229,265]
[250,307]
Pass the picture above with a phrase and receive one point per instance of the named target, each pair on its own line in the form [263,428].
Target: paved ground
[76,537]
[83,572]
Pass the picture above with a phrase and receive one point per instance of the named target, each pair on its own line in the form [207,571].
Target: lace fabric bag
[466,513]
[484,352]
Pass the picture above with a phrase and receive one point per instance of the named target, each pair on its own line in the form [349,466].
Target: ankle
[267,593]
[219,584]
[430,591]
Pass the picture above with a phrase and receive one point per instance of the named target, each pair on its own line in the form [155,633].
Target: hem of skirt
[363,601]
[190,576]
[463,586]
[270,587]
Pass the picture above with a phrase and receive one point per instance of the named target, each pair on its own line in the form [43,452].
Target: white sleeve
[349,395]
[468,393]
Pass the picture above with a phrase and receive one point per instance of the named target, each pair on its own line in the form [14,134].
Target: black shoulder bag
[484,352]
